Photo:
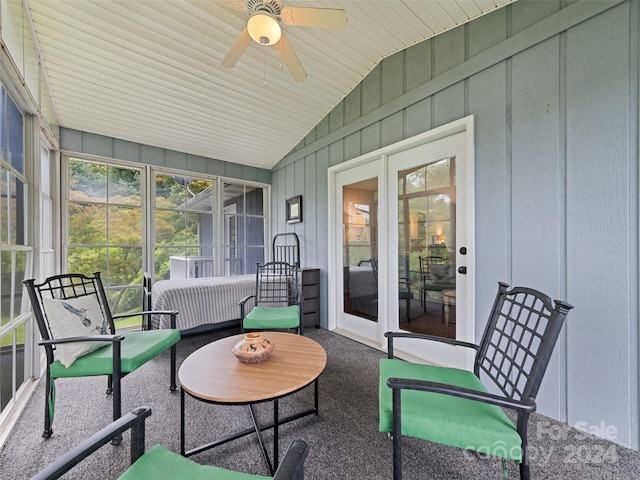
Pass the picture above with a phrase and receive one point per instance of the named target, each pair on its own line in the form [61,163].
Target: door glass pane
[426,248]
[244,228]
[360,245]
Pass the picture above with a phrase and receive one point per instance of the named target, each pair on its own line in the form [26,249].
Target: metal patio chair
[452,406]
[277,301]
[80,339]
[159,463]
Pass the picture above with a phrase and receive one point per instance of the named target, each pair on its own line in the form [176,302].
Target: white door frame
[466,201]
[354,326]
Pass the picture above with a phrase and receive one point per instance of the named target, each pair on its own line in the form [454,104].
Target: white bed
[363,289]
[204,303]
[201,301]
[362,282]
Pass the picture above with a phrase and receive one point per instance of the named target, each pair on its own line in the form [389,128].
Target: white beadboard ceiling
[148,71]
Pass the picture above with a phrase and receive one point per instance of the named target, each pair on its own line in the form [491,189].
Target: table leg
[275,434]
[182,422]
[258,431]
[272,466]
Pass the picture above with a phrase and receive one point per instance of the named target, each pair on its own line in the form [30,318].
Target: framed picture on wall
[294,209]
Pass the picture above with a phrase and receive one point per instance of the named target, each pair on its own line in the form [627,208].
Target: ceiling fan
[263,27]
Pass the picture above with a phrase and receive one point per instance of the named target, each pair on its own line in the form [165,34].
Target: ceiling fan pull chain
[264,70]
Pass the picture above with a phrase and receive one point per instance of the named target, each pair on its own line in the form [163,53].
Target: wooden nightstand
[311,297]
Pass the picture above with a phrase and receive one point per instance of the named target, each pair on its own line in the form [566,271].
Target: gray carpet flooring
[344,440]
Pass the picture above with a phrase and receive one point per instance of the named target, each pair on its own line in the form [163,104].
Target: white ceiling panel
[149,71]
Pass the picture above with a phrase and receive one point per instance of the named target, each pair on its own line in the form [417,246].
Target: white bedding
[362,282]
[200,301]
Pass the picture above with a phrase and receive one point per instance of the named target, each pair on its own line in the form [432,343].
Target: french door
[403,237]
[360,221]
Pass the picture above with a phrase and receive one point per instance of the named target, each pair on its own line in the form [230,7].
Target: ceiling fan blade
[290,59]
[238,48]
[238,5]
[314,17]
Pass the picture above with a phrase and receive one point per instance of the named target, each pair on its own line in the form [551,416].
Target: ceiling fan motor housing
[274,7]
[264,28]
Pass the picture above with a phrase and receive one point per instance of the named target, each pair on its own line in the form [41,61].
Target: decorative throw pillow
[441,273]
[76,317]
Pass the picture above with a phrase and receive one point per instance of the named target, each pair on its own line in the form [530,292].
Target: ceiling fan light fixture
[264,28]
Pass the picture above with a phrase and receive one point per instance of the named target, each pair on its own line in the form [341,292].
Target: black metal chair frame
[270,290]
[285,247]
[76,285]
[291,468]
[513,354]
[405,282]
[425,276]
[146,299]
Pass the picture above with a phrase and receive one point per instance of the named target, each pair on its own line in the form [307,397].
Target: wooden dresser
[311,296]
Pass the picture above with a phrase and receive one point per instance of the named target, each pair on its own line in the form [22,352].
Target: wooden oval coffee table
[213,374]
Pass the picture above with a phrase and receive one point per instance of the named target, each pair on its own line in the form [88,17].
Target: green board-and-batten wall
[554,90]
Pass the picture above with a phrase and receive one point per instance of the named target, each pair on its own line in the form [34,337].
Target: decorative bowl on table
[254,348]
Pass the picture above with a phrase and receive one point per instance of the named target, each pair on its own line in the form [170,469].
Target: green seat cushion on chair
[438,287]
[137,348]
[445,419]
[279,317]
[159,464]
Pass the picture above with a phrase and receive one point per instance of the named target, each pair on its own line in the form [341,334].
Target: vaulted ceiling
[149,71]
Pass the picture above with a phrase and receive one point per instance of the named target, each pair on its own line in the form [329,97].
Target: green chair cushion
[279,317]
[445,419]
[438,287]
[137,348]
[159,464]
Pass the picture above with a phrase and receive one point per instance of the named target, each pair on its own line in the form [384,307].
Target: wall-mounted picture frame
[294,209]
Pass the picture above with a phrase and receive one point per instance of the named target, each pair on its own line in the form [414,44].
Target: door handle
[462,270]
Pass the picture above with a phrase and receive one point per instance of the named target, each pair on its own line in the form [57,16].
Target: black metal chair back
[102,333]
[286,248]
[518,340]
[66,287]
[146,299]
[439,281]
[277,285]
[425,262]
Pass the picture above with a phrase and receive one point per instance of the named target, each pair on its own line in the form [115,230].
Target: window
[172,226]
[47,230]
[15,253]
[105,225]
[244,228]
[186,233]
[184,227]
